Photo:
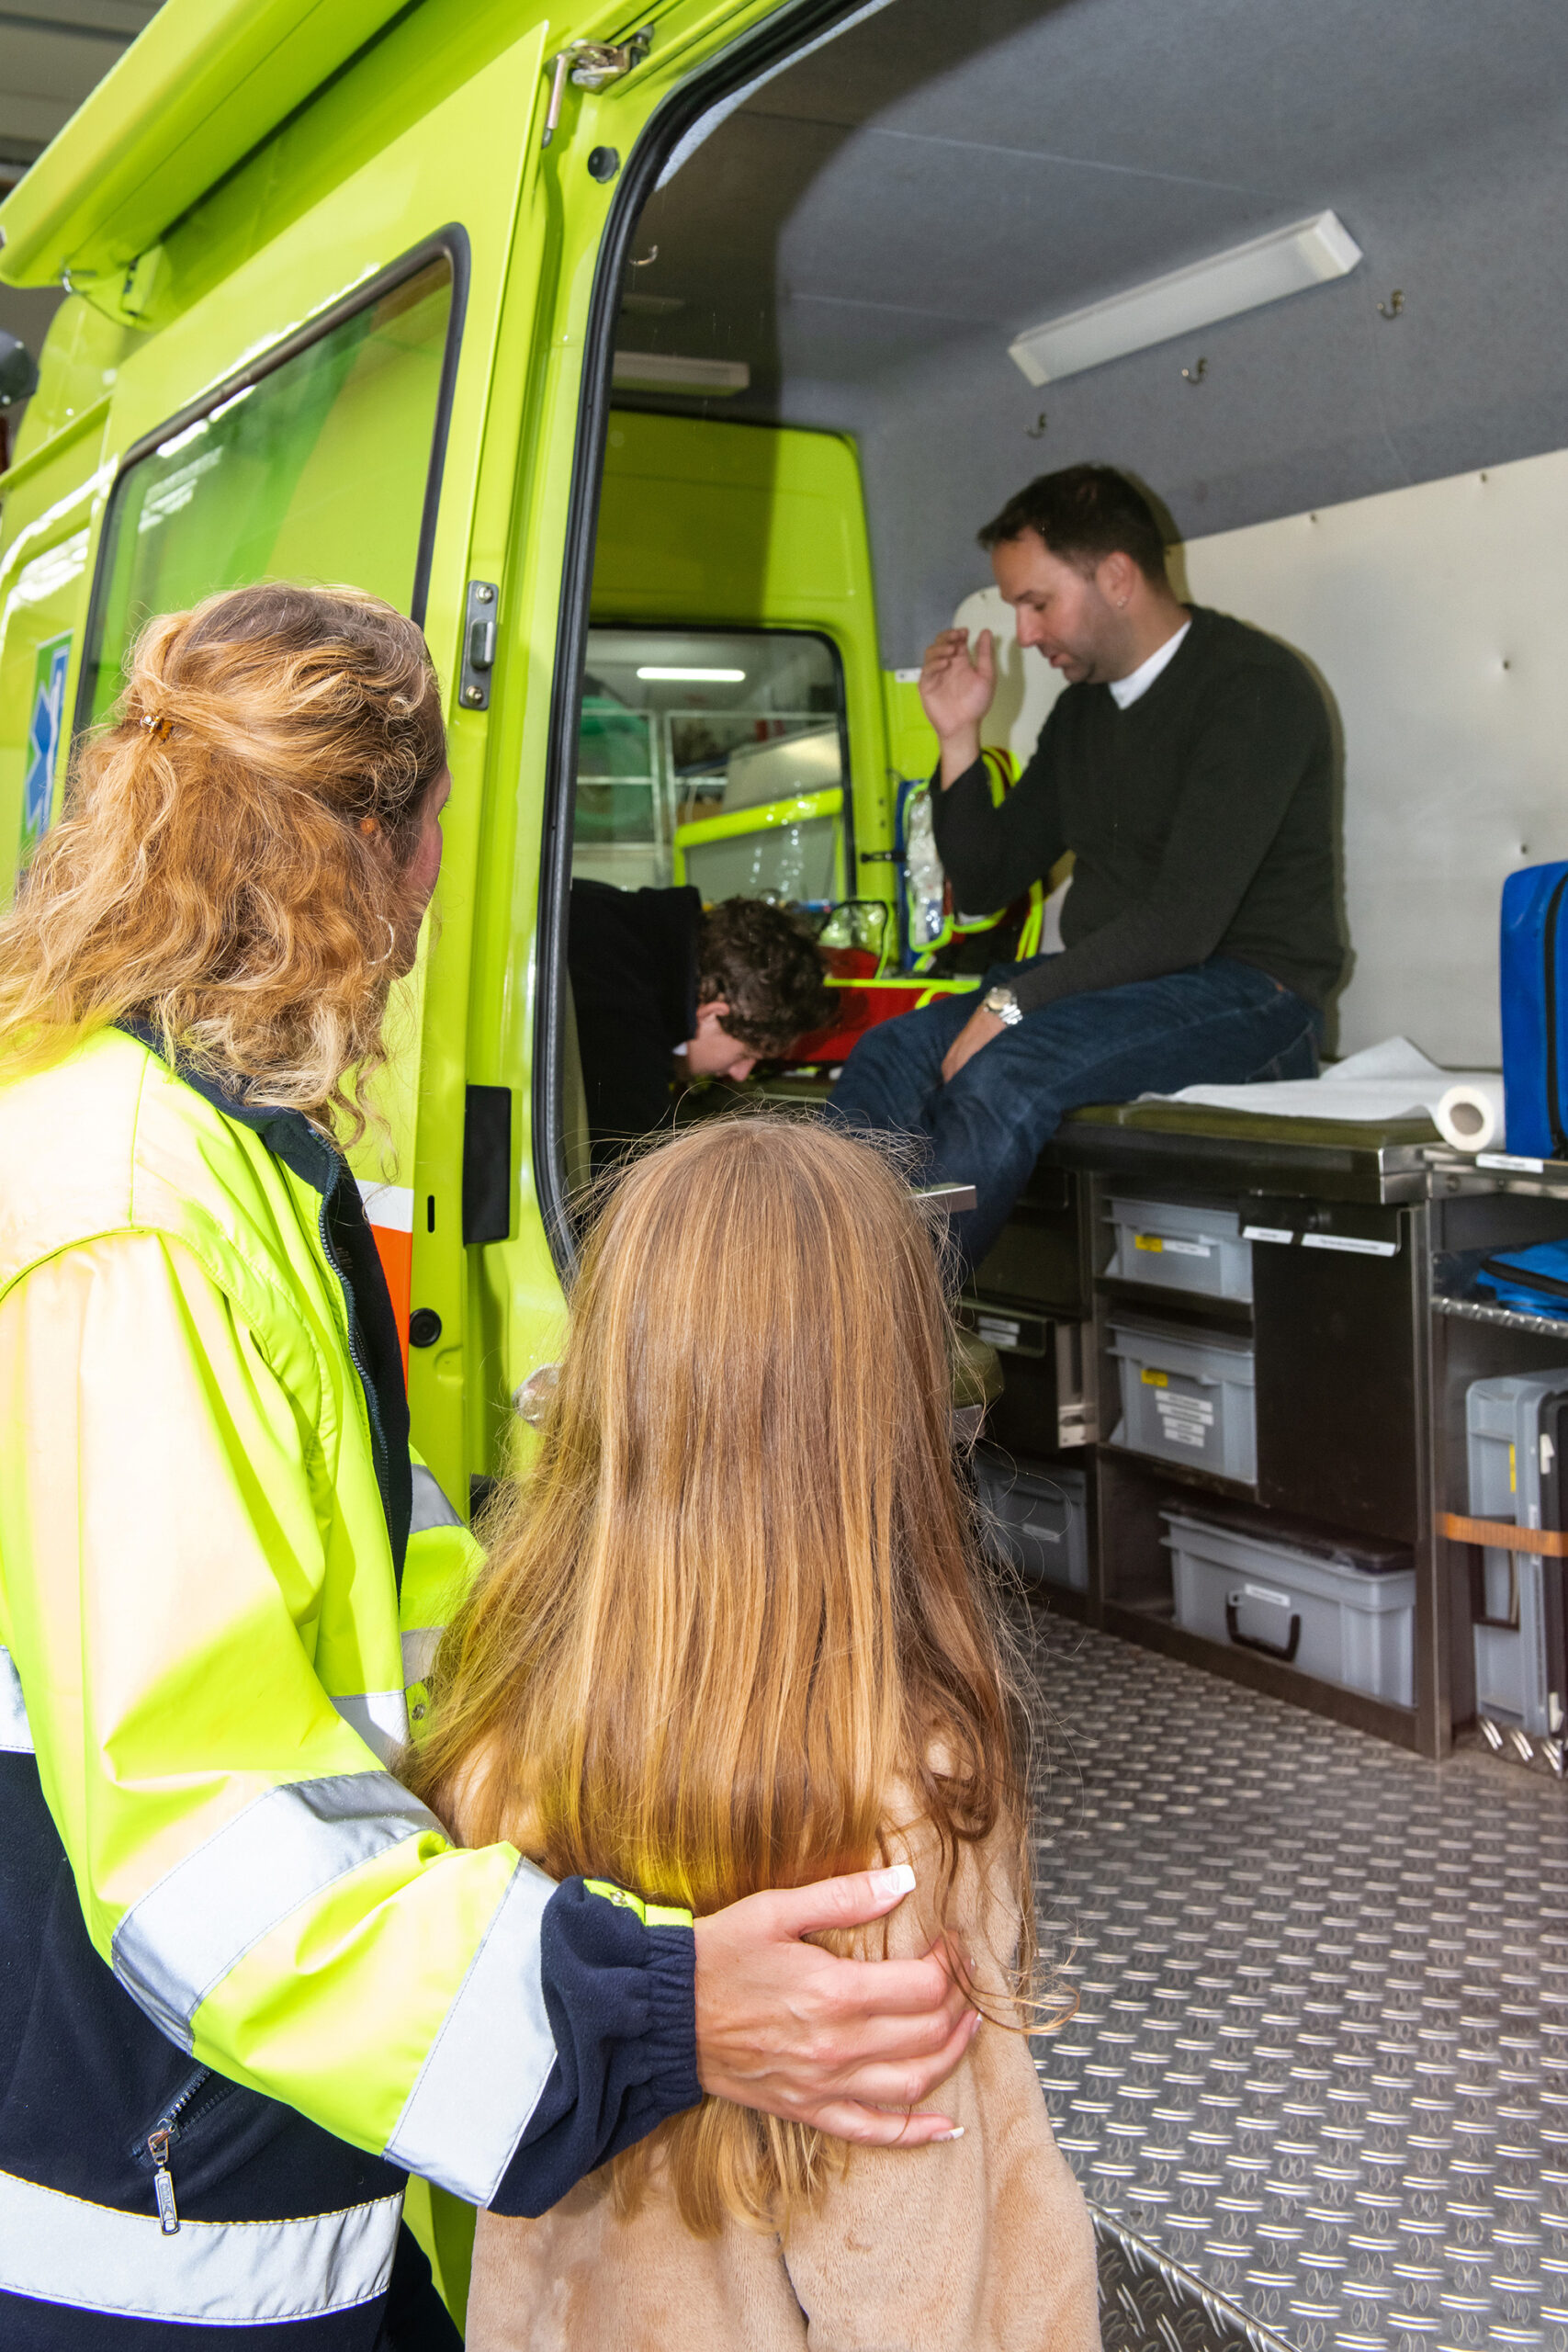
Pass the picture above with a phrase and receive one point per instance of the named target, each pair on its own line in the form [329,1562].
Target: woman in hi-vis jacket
[246,1985]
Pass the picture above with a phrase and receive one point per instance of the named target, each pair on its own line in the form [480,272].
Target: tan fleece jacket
[982,2244]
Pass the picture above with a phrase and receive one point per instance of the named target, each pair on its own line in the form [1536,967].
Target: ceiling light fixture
[1286,261]
[665,371]
[660,676]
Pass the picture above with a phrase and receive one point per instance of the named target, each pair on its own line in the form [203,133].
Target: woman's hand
[838,2043]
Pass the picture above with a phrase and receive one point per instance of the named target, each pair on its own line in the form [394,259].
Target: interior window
[319,469]
[714,758]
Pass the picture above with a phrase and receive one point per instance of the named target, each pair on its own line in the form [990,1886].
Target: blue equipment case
[1534,973]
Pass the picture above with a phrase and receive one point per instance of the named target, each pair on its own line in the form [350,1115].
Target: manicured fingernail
[956,2133]
[899,1880]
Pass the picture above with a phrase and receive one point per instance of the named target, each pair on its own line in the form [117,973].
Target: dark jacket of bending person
[666,992]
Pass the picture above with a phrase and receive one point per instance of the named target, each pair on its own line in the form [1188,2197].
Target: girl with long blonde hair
[733,1632]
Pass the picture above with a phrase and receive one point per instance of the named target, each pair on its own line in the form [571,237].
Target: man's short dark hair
[1084,513]
[764,964]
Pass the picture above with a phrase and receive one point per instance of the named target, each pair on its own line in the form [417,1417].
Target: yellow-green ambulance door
[314,404]
[606,154]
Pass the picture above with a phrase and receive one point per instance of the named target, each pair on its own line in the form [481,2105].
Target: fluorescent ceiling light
[1286,262]
[693,677]
[664,372]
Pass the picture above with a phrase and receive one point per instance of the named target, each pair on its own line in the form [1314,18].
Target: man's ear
[1117,577]
[714,1010]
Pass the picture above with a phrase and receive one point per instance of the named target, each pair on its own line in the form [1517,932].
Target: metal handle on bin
[1286,1650]
[1510,1623]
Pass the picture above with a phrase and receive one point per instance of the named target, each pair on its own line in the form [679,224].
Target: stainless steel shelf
[1507,1318]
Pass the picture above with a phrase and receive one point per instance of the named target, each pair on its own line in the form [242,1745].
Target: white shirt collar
[1138,682]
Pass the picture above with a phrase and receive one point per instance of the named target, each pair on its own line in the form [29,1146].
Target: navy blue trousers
[1222,1022]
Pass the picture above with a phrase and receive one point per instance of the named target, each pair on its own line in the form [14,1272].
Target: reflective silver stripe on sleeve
[491,2059]
[419,1652]
[380,1717]
[201,1917]
[92,2258]
[15,1732]
[431,1507]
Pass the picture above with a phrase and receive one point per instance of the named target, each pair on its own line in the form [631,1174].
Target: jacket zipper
[157,2140]
[1548,952]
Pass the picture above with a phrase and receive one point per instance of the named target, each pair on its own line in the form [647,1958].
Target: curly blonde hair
[231,865]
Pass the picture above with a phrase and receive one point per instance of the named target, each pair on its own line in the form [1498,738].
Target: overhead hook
[1036,429]
[1393,307]
[651,255]
[1195,375]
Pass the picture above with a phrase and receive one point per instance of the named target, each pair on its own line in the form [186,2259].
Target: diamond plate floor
[1316,2088]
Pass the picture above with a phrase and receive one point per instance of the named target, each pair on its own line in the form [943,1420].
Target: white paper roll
[1470,1115]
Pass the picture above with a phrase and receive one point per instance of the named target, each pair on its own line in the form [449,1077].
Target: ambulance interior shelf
[1374,1237]
[714,756]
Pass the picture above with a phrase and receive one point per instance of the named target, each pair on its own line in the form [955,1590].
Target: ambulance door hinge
[591,65]
[478,645]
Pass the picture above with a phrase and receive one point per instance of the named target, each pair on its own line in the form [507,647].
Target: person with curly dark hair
[665,990]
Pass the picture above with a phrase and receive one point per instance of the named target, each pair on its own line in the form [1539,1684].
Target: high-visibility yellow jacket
[202,1501]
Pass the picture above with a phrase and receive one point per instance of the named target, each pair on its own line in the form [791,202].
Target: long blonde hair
[229,865]
[736,1603]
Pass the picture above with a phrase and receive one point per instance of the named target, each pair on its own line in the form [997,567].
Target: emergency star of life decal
[44,731]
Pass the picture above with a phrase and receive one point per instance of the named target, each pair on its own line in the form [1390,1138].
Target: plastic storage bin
[1173,1246]
[1339,1607]
[1039,1518]
[1514,1430]
[1187,1397]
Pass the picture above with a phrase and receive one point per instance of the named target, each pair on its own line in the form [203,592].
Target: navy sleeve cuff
[621,2001]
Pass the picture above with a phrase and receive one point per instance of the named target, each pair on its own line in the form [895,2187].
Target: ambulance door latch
[478,646]
[592,64]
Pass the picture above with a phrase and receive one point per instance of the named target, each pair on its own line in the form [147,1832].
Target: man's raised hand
[956,686]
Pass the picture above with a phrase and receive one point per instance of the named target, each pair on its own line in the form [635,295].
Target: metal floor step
[1317,2087]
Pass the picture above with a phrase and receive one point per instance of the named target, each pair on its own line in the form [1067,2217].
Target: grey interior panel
[875,224]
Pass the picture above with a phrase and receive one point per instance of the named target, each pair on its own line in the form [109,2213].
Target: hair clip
[161,727]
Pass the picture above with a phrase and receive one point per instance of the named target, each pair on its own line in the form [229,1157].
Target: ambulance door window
[323,469]
[713,757]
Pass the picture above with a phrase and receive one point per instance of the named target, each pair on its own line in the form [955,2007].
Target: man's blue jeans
[1221,1023]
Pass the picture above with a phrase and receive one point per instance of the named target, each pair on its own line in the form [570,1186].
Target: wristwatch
[1004,1005]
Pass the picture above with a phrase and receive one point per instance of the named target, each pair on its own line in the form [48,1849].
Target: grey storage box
[1187,1397]
[1341,1609]
[1171,1245]
[1514,1427]
[1037,1517]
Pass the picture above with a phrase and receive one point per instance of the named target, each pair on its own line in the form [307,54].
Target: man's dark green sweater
[1200,819]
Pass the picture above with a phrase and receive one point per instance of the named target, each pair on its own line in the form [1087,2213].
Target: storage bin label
[1168,1245]
[1152,1379]
[1355,1243]
[996,1332]
[1185,1420]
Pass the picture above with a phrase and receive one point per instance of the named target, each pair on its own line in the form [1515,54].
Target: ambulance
[663,365]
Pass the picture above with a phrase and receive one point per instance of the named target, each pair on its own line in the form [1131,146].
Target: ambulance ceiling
[873,225]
